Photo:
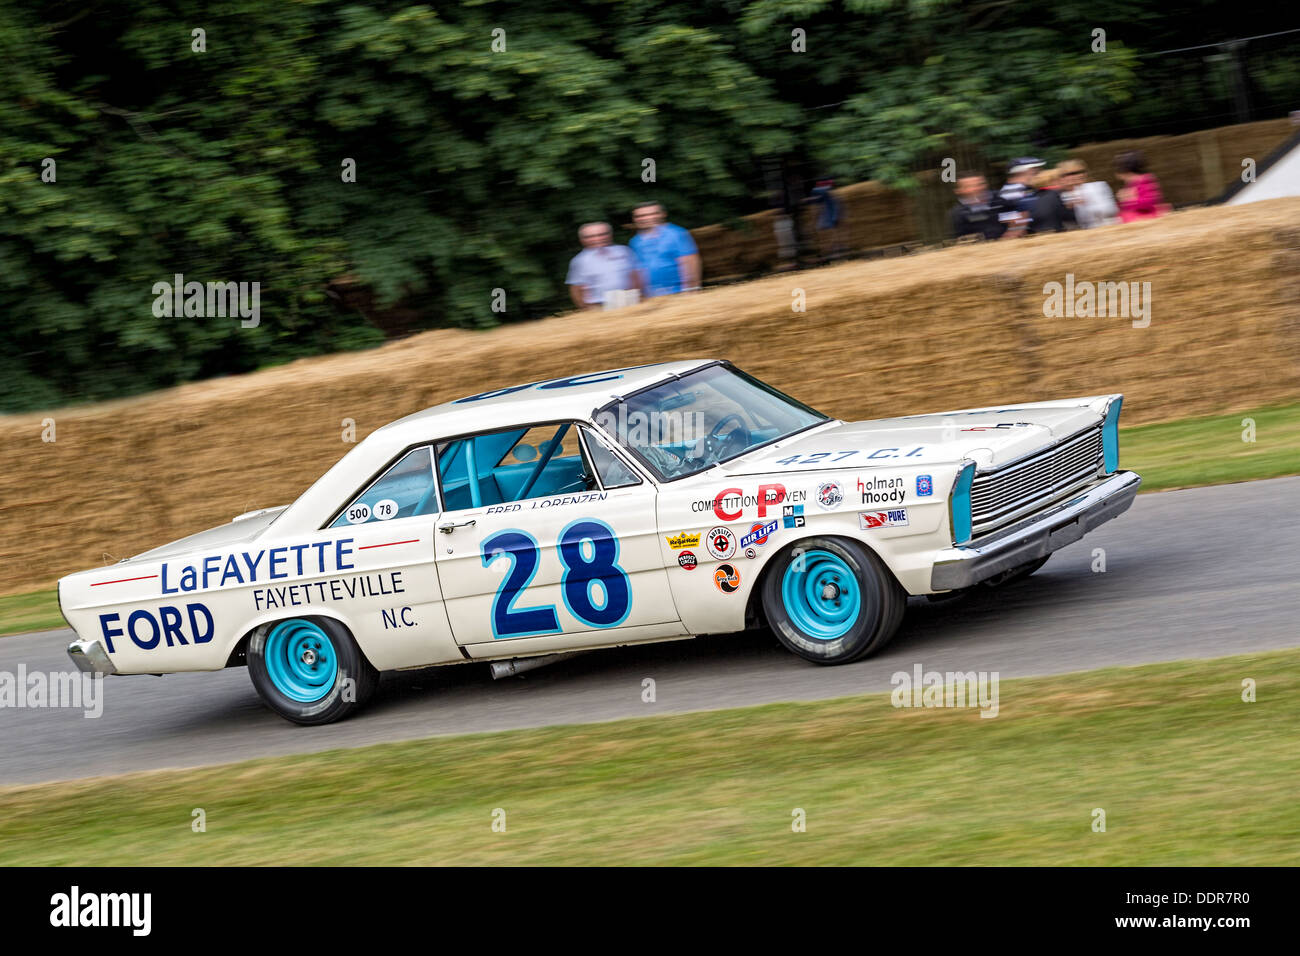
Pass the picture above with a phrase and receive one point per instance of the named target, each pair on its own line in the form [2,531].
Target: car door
[548,541]
[390,596]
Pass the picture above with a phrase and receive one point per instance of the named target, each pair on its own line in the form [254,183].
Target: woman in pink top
[1140,196]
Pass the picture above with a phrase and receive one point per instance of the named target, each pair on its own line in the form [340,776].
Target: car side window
[512,464]
[403,491]
[611,469]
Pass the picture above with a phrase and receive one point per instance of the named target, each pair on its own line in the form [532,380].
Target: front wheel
[832,601]
[309,670]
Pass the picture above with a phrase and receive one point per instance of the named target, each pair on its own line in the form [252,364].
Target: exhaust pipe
[519,665]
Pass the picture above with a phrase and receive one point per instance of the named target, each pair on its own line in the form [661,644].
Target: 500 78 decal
[588,550]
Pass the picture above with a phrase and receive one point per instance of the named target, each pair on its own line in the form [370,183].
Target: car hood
[989,436]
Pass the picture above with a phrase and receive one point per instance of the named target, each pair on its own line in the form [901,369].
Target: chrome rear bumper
[91,657]
[1035,537]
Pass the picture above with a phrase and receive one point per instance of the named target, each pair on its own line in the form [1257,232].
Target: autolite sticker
[721,543]
[882,519]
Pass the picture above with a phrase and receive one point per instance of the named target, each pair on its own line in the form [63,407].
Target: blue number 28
[589,552]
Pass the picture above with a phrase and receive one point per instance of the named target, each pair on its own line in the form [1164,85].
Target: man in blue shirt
[601,268]
[667,253]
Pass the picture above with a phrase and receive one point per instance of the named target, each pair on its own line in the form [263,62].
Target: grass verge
[1182,454]
[33,611]
[1212,450]
[1186,772]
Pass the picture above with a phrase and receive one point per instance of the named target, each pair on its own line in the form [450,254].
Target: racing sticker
[924,486]
[896,518]
[727,578]
[721,543]
[751,553]
[386,509]
[758,534]
[792,516]
[683,540]
[879,490]
[730,504]
[687,560]
[829,495]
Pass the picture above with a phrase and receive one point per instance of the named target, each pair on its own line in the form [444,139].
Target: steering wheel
[715,446]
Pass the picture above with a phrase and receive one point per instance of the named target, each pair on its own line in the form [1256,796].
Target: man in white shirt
[602,270]
[1093,202]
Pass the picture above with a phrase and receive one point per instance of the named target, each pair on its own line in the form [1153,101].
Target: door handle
[449,528]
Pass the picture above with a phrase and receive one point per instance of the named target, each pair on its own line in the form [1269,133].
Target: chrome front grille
[1012,491]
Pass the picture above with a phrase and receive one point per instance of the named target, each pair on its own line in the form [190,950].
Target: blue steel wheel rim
[301,660]
[821,594]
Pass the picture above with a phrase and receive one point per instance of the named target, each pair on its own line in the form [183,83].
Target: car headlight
[959,504]
[1110,436]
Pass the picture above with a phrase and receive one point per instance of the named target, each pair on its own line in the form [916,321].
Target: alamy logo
[951,689]
[74,908]
[208,300]
[654,428]
[60,689]
[1098,300]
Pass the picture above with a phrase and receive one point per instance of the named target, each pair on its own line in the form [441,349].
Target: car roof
[501,406]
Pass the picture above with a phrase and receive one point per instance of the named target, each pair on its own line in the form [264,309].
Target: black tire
[1015,574]
[354,682]
[880,612]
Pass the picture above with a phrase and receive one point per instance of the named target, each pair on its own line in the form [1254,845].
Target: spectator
[1092,203]
[601,268]
[1018,195]
[669,258]
[977,211]
[1049,212]
[1018,191]
[829,217]
[1140,196]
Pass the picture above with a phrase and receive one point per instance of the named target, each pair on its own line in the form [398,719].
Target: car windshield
[705,417]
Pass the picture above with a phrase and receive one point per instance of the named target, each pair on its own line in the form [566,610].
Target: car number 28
[588,551]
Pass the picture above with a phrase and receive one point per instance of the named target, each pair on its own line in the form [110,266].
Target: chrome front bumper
[91,657]
[1036,536]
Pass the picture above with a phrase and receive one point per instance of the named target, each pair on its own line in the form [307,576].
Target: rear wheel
[831,601]
[309,670]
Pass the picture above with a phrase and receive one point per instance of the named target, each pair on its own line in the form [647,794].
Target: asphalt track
[1198,573]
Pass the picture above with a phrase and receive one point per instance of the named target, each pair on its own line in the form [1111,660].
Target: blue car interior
[492,469]
[479,471]
[476,472]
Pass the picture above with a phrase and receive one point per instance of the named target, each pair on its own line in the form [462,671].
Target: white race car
[640,504]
